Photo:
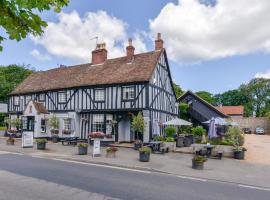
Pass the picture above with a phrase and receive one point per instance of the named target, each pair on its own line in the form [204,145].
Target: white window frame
[28,98]
[62,97]
[67,124]
[16,101]
[41,97]
[99,95]
[128,93]
[98,123]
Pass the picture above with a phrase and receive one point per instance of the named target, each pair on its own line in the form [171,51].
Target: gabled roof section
[231,110]
[112,71]
[203,101]
[40,108]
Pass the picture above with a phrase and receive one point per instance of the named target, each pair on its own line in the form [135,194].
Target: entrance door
[124,130]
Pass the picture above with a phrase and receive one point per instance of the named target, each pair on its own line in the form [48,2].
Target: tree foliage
[178,90]
[10,77]
[138,123]
[19,17]
[207,96]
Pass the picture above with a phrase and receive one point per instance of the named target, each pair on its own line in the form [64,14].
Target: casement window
[27,99]
[62,97]
[43,125]
[41,97]
[67,124]
[28,123]
[99,95]
[98,123]
[16,101]
[109,124]
[128,93]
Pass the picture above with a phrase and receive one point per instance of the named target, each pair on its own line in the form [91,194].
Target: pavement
[258,148]
[226,170]
[27,178]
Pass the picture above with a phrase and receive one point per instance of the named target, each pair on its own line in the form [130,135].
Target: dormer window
[16,101]
[62,97]
[128,93]
[99,95]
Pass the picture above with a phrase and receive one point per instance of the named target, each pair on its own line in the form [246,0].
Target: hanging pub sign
[27,139]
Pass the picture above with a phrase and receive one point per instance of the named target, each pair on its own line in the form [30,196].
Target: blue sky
[206,51]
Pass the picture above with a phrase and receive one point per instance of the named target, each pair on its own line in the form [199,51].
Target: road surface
[24,178]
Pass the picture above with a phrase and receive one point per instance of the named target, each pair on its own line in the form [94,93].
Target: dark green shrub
[170,131]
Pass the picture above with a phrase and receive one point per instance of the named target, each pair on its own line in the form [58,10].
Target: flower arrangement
[109,136]
[99,135]
[111,149]
[12,130]
[83,145]
[66,132]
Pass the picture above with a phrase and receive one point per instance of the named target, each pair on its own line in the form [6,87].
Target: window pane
[98,123]
[99,95]
[62,97]
[128,93]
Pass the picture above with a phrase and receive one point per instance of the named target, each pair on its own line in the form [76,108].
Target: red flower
[100,135]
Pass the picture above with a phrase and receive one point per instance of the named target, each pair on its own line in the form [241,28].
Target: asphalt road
[120,183]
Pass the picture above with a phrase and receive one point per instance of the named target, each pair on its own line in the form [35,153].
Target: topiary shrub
[198,131]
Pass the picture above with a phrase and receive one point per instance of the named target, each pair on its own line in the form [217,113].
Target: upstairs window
[62,97]
[128,93]
[41,97]
[99,95]
[27,99]
[16,101]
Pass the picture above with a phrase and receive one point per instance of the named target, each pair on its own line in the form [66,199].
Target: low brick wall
[253,122]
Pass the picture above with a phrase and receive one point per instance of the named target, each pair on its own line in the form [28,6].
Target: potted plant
[198,162]
[235,136]
[96,135]
[54,124]
[180,141]
[111,152]
[137,126]
[144,153]
[10,141]
[198,133]
[137,144]
[82,148]
[41,143]
[170,141]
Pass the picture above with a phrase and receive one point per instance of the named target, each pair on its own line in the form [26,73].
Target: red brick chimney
[130,50]
[99,55]
[158,42]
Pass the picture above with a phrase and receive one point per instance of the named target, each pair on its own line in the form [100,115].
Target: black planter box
[180,141]
[240,155]
[197,165]
[41,146]
[187,141]
[82,150]
[137,146]
[144,157]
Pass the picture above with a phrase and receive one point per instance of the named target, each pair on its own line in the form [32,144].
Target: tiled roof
[40,107]
[112,71]
[231,110]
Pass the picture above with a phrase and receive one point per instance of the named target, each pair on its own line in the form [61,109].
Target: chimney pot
[99,55]
[158,42]
[130,50]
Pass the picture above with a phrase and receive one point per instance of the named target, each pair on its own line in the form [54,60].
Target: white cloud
[35,53]
[263,74]
[70,37]
[195,32]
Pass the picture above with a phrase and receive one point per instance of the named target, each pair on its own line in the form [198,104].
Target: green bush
[145,150]
[198,158]
[82,144]
[235,136]
[185,130]
[159,138]
[198,131]
[41,140]
[170,131]
[170,139]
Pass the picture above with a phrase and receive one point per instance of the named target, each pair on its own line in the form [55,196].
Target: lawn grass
[3,128]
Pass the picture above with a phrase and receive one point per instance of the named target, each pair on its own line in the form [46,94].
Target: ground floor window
[98,123]
[67,126]
[43,124]
[28,123]
[109,124]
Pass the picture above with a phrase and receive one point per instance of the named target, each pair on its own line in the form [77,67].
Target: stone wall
[253,122]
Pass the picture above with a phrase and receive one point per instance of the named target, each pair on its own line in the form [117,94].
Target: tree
[178,90]
[19,17]
[207,96]
[137,124]
[10,77]
[183,108]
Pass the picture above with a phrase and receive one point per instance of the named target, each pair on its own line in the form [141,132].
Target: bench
[73,141]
